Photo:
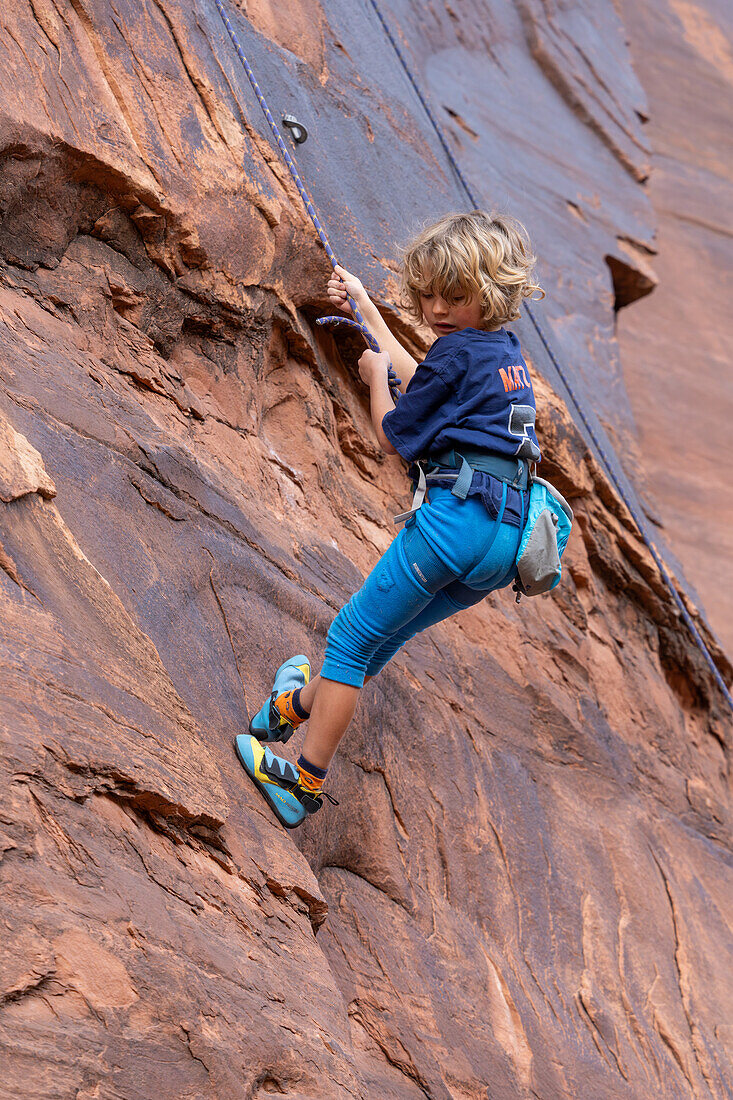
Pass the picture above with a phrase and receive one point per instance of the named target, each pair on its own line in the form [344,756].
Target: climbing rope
[687,618]
[358,322]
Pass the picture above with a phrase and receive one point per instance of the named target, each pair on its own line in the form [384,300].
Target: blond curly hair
[474,255]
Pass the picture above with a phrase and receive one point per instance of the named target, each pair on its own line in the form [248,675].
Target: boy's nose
[439,306]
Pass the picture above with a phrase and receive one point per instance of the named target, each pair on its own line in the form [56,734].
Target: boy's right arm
[341,283]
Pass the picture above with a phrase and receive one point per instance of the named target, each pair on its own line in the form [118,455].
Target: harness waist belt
[514,471]
[511,471]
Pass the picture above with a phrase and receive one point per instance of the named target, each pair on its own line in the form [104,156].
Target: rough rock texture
[676,345]
[524,891]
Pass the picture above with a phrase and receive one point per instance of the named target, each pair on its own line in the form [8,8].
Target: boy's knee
[461,596]
[348,636]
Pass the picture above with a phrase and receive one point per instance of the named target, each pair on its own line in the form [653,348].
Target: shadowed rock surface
[525,890]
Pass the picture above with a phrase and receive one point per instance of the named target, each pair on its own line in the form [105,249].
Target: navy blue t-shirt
[472,390]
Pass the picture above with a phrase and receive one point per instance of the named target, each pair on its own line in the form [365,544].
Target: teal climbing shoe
[269,724]
[277,780]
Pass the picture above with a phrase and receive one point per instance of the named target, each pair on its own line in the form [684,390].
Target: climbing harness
[512,471]
[549,517]
[298,129]
[684,613]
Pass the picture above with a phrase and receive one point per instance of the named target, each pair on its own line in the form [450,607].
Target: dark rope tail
[394,381]
[684,613]
[359,323]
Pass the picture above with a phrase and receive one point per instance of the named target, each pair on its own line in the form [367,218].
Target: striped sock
[289,706]
[311,776]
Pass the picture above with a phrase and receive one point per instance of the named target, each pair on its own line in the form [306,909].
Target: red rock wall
[676,344]
[523,890]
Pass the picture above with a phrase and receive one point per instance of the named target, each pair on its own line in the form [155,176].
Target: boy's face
[450,316]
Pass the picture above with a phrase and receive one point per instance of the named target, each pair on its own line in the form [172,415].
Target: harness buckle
[419,495]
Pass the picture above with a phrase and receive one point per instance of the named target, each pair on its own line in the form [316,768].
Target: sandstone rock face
[523,891]
[676,345]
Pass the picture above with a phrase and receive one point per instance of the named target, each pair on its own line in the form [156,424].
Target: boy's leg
[334,704]
[308,694]
[391,597]
[454,597]
[332,712]
[399,587]
[426,570]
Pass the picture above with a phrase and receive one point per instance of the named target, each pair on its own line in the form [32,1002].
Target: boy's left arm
[374,370]
[343,282]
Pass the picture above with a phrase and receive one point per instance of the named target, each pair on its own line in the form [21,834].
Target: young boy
[467,417]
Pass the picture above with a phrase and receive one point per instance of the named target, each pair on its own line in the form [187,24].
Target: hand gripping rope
[687,618]
[359,322]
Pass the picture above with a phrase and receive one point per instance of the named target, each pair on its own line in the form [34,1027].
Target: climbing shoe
[278,780]
[276,720]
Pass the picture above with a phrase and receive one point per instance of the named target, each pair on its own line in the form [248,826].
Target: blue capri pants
[449,556]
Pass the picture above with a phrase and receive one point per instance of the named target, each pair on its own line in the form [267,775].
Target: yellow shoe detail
[258,754]
[306,670]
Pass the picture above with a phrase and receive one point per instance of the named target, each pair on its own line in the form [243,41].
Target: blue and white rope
[687,618]
[358,322]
